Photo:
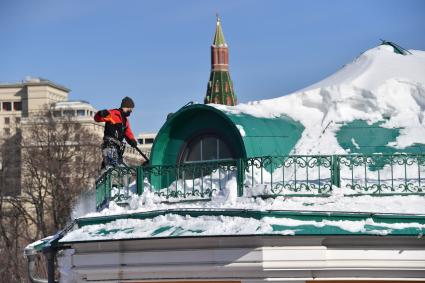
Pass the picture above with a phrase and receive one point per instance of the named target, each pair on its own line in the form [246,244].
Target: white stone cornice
[260,260]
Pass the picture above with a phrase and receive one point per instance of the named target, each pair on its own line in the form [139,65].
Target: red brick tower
[220,86]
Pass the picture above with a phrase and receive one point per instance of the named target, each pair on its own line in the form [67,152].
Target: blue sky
[158,52]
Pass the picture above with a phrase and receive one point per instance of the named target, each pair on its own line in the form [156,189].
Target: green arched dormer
[240,134]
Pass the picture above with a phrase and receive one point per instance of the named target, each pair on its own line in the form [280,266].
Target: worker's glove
[103,113]
[133,143]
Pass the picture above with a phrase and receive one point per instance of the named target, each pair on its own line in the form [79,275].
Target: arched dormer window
[206,147]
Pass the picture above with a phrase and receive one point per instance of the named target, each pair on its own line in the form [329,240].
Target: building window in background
[69,113]
[7,106]
[149,140]
[6,120]
[17,106]
[6,131]
[81,112]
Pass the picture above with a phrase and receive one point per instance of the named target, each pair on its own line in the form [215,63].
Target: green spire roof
[220,86]
[219,40]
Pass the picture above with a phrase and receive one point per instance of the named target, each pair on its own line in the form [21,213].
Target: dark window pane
[149,141]
[209,148]
[206,148]
[140,141]
[7,106]
[224,151]
[69,113]
[194,152]
[81,112]
[17,106]
[7,120]
[56,113]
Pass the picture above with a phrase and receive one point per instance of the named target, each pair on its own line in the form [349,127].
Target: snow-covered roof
[234,223]
[150,216]
[378,85]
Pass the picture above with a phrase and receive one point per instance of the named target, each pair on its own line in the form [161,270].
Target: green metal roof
[247,135]
[360,137]
[397,48]
[325,223]
[267,136]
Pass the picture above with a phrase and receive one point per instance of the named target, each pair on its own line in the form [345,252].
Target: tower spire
[219,40]
[220,86]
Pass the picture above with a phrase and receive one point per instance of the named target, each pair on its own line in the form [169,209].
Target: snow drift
[379,84]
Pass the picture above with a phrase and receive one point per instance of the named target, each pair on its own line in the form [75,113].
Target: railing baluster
[261,168]
[283,173]
[392,173]
[184,181]
[202,181]
[405,174]
[365,172]
[379,180]
[318,171]
[271,173]
[211,179]
[219,178]
[193,180]
[352,173]
[252,172]
[295,173]
[306,171]
[419,172]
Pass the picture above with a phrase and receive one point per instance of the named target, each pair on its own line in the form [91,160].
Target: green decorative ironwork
[103,189]
[114,185]
[189,181]
[122,178]
[401,174]
[288,175]
[269,176]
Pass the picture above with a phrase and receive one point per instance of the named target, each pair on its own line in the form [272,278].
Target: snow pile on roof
[172,225]
[217,216]
[227,199]
[379,83]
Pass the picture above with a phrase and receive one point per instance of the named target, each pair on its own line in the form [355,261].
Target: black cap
[127,102]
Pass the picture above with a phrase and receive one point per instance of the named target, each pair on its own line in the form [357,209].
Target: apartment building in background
[20,100]
[145,141]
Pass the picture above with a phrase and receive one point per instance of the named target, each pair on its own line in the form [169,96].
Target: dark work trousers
[112,154]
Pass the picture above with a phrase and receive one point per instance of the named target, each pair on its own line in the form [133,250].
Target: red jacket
[116,125]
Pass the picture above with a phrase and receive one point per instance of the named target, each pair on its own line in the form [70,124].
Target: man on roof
[117,127]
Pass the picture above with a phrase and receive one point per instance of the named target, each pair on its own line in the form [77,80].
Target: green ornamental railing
[269,176]
[115,185]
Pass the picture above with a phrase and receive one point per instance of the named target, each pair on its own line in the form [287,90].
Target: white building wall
[249,259]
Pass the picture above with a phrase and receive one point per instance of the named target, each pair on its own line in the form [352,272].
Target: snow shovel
[144,156]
